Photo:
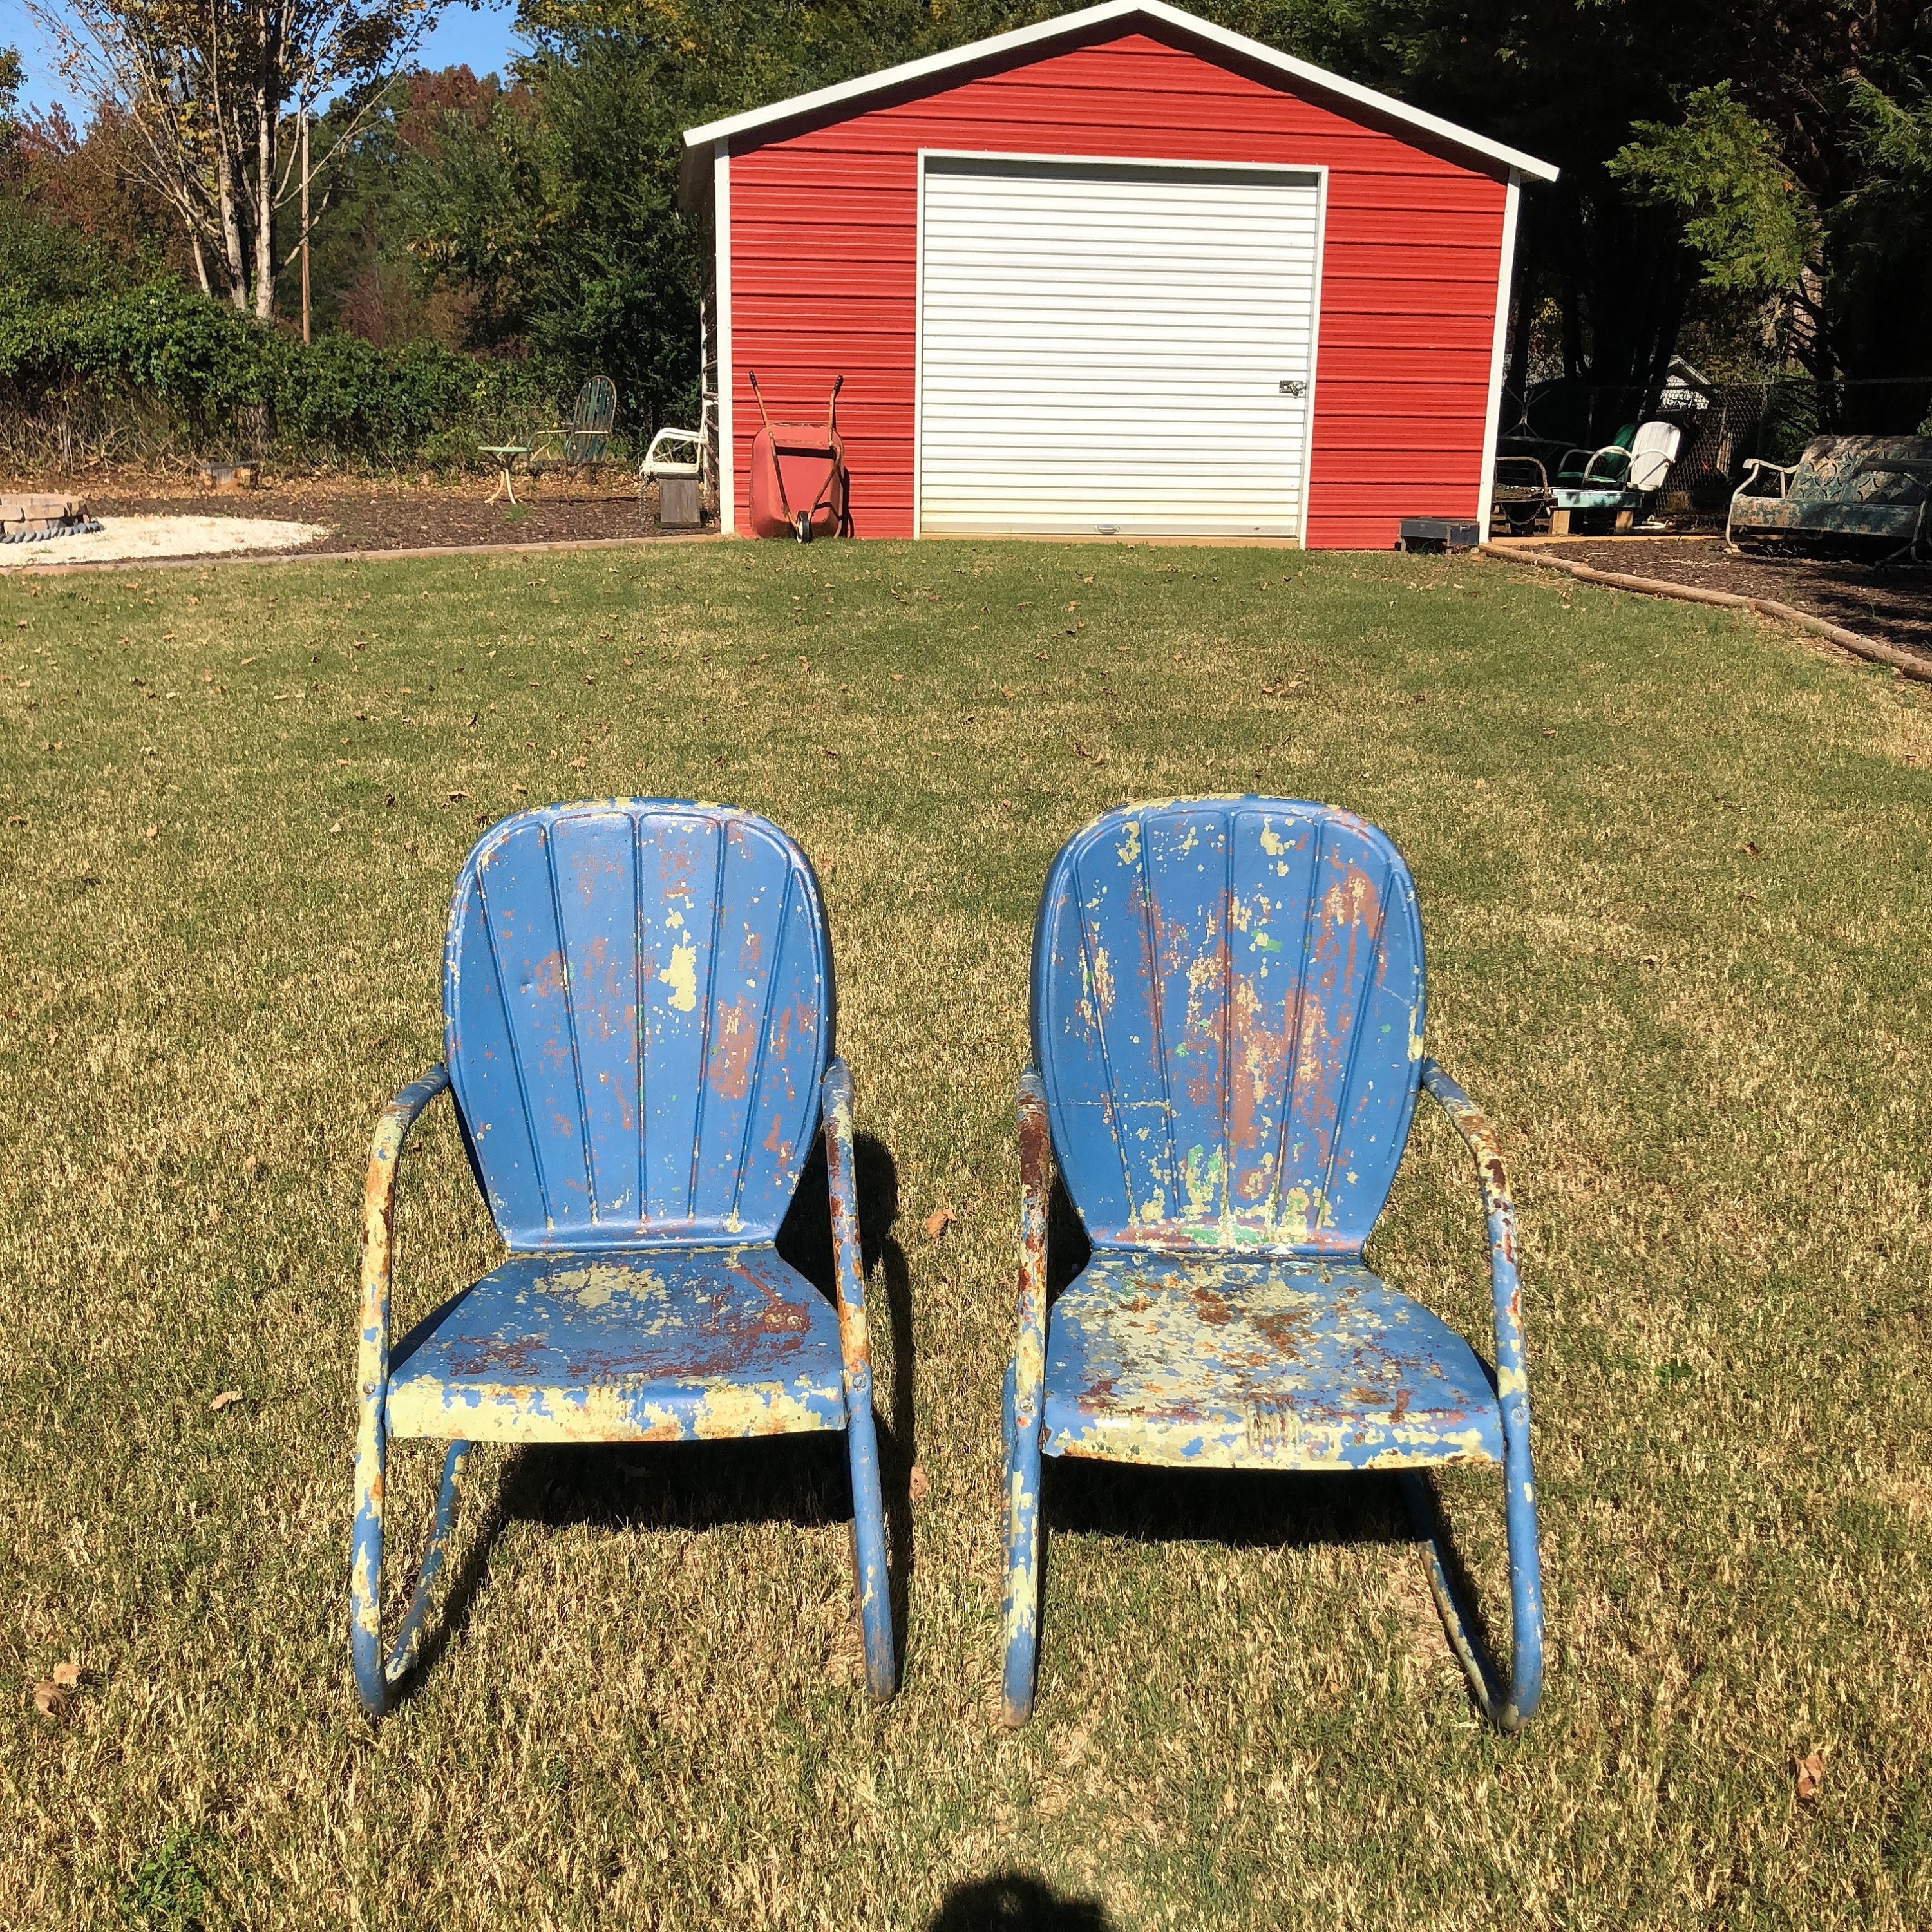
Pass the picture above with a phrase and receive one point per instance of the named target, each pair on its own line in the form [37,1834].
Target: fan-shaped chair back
[638,1000]
[1653,450]
[592,420]
[1227,1017]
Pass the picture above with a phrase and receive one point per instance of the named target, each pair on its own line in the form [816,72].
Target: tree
[214,91]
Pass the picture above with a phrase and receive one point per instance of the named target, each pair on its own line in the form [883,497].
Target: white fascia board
[1068,26]
[1492,423]
[727,481]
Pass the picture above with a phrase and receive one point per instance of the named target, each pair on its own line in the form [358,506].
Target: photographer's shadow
[1014,1902]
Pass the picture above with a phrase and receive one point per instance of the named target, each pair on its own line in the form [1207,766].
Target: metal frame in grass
[639,1011]
[1227,1012]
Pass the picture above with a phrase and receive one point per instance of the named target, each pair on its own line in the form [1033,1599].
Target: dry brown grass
[1673,876]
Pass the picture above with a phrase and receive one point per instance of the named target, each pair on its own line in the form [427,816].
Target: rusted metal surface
[1242,1363]
[1022,1416]
[1228,1004]
[868,1520]
[663,1344]
[1228,1007]
[639,1011]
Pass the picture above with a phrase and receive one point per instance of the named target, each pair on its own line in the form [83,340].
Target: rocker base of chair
[377,1676]
[1508,1704]
[1504,1704]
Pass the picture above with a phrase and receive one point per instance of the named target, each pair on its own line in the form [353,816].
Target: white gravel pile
[132,539]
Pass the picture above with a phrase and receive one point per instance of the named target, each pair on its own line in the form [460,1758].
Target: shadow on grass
[802,1480]
[1013,1902]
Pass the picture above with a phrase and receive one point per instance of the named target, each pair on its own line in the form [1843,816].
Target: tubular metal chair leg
[872,1579]
[1509,1706]
[376,1676]
[1025,1544]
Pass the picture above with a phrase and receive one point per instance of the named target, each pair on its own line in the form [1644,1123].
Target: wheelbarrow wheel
[802,522]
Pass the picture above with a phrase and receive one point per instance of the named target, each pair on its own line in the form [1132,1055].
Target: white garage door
[1113,347]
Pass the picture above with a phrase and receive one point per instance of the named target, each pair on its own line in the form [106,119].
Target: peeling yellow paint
[681,976]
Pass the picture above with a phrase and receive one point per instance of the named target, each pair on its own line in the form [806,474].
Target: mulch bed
[1893,605]
[386,516]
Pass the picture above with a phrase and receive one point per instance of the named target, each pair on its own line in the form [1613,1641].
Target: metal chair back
[1227,1019]
[638,1001]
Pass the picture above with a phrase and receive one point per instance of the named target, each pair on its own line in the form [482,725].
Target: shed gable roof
[1068,26]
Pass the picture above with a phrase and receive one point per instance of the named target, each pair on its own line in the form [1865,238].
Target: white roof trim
[1069,24]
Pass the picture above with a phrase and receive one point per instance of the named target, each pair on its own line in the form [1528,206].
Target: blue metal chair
[638,1010]
[1227,1030]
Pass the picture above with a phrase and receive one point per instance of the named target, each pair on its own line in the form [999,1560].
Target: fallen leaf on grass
[578,764]
[937,1222]
[50,1699]
[67,1676]
[248,661]
[917,1488]
[1810,1773]
[898,677]
[455,795]
[150,831]
[1080,750]
[337,826]
[1041,655]
[227,1399]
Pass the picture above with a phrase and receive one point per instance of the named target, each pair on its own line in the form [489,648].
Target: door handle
[1291,386]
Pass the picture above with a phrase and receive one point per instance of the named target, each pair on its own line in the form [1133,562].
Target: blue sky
[482,37]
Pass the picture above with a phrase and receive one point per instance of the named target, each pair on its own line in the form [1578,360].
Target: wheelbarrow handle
[752,377]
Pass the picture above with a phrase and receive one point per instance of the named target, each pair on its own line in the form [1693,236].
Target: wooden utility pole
[304,222]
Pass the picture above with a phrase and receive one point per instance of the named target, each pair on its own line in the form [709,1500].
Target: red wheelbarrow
[798,474]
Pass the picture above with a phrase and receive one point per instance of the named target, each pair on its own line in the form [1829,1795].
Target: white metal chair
[657,466]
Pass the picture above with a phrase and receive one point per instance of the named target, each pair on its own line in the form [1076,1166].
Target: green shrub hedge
[203,378]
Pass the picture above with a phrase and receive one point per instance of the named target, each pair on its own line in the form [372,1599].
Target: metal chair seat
[651,1344]
[1266,1362]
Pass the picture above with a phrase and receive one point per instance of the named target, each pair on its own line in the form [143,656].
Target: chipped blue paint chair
[1227,1030]
[638,1012]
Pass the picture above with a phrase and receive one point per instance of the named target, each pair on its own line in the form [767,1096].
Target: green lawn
[1672,867]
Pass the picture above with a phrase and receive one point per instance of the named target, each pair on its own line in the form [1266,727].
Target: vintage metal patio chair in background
[1227,1026]
[638,1011]
[584,442]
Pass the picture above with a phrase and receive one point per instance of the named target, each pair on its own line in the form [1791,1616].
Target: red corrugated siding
[824,237]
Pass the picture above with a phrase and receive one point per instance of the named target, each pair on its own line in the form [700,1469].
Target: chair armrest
[1610,450]
[1036,1178]
[848,1255]
[379,1218]
[1755,466]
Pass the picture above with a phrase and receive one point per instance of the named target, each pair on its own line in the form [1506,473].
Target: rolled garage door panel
[1115,347]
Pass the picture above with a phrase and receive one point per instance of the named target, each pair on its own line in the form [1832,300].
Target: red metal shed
[1122,272]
